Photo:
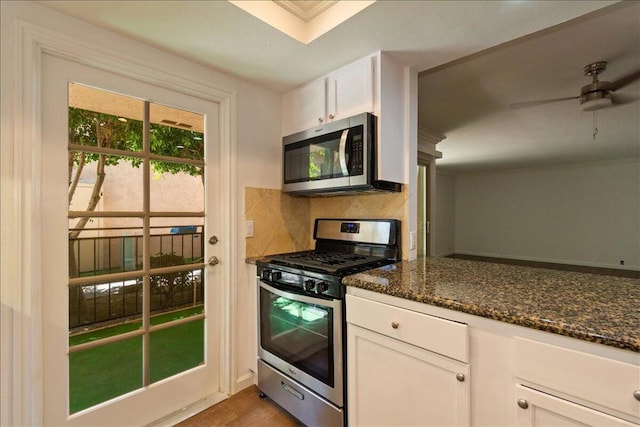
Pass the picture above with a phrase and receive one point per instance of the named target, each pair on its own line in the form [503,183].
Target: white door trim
[26,354]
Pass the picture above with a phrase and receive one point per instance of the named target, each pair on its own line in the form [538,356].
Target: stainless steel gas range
[301,308]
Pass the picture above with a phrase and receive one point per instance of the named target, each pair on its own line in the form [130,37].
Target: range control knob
[321,287]
[308,285]
[270,275]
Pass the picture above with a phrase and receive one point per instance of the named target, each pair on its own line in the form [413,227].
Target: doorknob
[213,240]
[213,260]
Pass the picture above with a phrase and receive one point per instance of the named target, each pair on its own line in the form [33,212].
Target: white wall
[256,138]
[444,215]
[580,214]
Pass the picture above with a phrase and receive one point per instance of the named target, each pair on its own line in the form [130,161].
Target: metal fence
[114,254]
[96,304]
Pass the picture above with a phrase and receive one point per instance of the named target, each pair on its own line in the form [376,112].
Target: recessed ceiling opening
[304,21]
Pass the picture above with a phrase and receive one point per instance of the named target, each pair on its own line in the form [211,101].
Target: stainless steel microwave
[335,158]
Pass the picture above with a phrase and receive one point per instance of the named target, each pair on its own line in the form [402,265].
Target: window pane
[104,245]
[99,182]
[102,373]
[182,237]
[176,133]
[176,349]
[98,118]
[104,304]
[171,291]
[176,187]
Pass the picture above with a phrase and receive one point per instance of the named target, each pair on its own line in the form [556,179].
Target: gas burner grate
[328,261]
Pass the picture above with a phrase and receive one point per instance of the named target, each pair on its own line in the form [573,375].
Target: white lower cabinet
[394,383]
[405,359]
[537,409]
[559,386]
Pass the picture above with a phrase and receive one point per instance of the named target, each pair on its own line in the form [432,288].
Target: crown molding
[429,136]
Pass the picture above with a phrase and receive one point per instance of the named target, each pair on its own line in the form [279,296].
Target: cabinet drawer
[608,385]
[441,336]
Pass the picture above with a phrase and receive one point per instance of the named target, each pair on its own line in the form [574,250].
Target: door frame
[21,276]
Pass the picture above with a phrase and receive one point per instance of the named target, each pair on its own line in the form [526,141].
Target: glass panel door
[136,309]
[129,315]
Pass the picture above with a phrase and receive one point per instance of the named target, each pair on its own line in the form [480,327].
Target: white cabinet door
[350,90]
[343,93]
[391,383]
[304,108]
[536,409]
[604,384]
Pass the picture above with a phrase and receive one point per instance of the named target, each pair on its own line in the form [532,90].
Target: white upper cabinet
[343,93]
[305,107]
[350,90]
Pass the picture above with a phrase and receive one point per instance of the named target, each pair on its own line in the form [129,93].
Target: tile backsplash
[283,223]
[280,222]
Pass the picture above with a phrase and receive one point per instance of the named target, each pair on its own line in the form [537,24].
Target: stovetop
[337,263]
[344,247]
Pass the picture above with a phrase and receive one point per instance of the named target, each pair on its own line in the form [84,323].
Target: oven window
[299,333]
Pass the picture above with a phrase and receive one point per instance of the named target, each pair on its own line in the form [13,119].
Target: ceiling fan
[594,96]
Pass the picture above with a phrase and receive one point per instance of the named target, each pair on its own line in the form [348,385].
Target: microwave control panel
[356,156]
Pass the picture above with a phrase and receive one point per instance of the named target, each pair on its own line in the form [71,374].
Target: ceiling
[472,68]
[468,101]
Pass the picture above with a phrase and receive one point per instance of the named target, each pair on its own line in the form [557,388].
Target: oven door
[301,336]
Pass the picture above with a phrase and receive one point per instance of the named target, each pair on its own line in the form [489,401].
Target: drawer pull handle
[636,394]
[523,403]
[291,390]
[395,325]
[460,377]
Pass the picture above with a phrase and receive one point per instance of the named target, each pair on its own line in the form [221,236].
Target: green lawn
[102,373]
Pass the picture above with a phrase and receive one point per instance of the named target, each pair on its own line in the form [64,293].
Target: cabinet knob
[331,116]
[636,394]
[395,325]
[460,377]
[320,120]
[523,403]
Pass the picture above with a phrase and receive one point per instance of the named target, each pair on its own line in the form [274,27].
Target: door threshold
[189,410]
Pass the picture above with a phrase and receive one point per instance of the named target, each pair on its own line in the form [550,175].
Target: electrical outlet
[248,226]
[413,240]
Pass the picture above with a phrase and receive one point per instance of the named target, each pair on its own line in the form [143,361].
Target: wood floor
[244,408]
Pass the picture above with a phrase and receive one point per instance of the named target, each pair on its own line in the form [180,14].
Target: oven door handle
[334,303]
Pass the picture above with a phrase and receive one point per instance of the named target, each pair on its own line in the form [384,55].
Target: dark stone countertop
[597,308]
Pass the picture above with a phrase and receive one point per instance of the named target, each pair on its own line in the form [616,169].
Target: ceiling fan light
[595,101]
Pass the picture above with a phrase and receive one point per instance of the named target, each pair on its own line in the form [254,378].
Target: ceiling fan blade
[621,99]
[617,84]
[518,105]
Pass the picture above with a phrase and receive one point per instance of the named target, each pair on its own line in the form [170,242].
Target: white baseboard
[443,255]
[245,381]
[551,261]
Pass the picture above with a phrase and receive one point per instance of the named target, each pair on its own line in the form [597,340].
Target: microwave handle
[343,152]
